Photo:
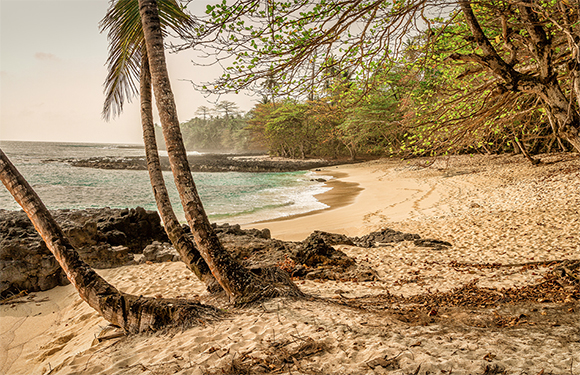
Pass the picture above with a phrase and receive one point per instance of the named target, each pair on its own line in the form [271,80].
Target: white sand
[492,209]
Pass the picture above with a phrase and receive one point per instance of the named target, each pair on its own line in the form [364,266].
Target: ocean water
[234,197]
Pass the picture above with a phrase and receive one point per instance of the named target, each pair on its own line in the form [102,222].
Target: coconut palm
[128,63]
[133,314]
[240,284]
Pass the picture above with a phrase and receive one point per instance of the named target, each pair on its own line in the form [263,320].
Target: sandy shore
[505,219]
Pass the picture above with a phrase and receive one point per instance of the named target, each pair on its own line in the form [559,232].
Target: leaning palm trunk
[239,283]
[133,314]
[182,243]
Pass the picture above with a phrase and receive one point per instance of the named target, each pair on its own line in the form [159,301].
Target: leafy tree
[256,124]
[228,109]
[227,133]
[374,124]
[204,111]
[511,53]
[287,130]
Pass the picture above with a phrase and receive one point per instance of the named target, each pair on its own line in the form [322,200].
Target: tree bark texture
[133,314]
[233,278]
[180,240]
[239,283]
[545,85]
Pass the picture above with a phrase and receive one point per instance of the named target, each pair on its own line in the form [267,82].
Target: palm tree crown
[127,44]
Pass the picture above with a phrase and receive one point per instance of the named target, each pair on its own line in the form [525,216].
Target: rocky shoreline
[103,237]
[109,238]
[210,163]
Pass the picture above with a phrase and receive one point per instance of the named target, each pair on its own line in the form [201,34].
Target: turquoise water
[234,197]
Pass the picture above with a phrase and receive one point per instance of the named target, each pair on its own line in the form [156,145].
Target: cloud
[43,56]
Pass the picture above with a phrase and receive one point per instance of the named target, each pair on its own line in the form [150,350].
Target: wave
[250,211]
[189,153]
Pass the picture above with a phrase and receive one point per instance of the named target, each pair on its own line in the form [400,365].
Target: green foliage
[221,129]
[379,77]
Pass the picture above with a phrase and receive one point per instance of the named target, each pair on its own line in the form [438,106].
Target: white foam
[189,153]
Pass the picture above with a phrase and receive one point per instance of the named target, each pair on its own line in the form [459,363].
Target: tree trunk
[562,110]
[133,314]
[180,240]
[240,284]
[546,85]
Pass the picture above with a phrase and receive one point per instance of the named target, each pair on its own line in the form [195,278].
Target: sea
[232,197]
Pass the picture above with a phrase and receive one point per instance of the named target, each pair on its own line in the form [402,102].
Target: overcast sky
[52,69]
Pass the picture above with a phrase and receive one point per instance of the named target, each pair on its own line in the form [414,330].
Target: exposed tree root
[270,282]
[150,314]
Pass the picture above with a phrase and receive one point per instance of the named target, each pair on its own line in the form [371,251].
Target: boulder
[384,236]
[313,258]
[104,238]
[158,252]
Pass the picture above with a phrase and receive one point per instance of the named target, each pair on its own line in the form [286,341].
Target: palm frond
[126,45]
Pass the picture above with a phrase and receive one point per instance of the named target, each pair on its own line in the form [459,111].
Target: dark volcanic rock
[384,236]
[331,238]
[315,252]
[208,163]
[435,244]
[313,258]
[159,252]
[104,238]
[25,262]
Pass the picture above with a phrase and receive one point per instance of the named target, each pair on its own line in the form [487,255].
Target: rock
[384,236]
[104,238]
[25,261]
[315,251]
[158,252]
[313,258]
[435,244]
[331,238]
[105,256]
[208,163]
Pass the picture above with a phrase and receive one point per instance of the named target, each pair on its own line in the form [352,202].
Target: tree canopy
[476,72]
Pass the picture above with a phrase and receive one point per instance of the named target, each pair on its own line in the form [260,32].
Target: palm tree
[240,284]
[133,314]
[128,62]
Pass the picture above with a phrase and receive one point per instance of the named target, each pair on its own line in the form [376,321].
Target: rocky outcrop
[104,238]
[313,258]
[384,236]
[108,238]
[159,252]
[133,228]
[209,163]
[25,262]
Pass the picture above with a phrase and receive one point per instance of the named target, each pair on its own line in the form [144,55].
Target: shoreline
[341,194]
[392,191]
[358,191]
[508,223]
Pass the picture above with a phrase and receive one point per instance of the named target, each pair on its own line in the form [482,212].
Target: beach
[484,305]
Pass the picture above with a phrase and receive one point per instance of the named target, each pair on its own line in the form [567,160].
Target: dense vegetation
[219,129]
[370,77]
[413,110]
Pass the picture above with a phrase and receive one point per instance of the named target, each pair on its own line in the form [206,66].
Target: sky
[52,69]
